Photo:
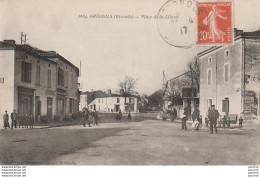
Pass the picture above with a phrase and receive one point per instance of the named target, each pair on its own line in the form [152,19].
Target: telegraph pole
[192,90]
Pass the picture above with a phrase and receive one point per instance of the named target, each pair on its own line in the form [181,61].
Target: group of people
[25,121]
[87,115]
[119,115]
[211,119]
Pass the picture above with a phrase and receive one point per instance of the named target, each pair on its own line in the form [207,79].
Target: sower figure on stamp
[14,119]
[6,120]
[211,20]
[213,117]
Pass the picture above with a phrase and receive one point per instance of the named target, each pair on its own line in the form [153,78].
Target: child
[207,122]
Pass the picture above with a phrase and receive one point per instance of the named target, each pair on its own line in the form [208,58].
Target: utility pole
[23,38]
[192,90]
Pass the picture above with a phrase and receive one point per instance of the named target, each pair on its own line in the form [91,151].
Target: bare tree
[194,67]
[127,86]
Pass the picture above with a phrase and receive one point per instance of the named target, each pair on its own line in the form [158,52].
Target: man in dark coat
[213,117]
[240,121]
[185,118]
[95,117]
[86,118]
[196,114]
[6,120]
[14,119]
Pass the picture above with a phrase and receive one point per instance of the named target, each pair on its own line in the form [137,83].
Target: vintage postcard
[166,82]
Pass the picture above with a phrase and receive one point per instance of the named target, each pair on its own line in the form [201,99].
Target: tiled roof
[36,52]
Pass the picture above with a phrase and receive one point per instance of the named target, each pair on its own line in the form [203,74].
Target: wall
[42,90]
[70,85]
[219,89]
[6,88]
[252,76]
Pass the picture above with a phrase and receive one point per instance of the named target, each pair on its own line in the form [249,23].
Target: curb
[51,126]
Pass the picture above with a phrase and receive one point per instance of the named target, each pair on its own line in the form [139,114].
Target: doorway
[49,107]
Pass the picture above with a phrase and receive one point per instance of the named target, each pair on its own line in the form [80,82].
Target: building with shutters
[36,82]
[109,102]
[230,76]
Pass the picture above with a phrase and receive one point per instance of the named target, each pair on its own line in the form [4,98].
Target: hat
[213,105]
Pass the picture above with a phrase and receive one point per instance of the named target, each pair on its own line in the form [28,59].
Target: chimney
[109,91]
[10,41]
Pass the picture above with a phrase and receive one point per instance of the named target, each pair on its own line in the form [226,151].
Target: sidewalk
[39,125]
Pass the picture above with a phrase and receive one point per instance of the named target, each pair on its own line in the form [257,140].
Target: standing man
[14,119]
[184,119]
[86,118]
[196,114]
[213,117]
[240,121]
[224,121]
[95,117]
[6,120]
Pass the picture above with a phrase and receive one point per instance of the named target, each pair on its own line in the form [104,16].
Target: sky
[109,49]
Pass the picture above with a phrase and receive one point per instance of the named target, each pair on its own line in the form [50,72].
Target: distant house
[87,97]
[109,102]
[230,76]
[36,82]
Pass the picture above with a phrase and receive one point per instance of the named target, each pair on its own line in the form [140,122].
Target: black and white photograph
[129,83]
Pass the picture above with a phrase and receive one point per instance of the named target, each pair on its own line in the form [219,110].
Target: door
[117,108]
[49,107]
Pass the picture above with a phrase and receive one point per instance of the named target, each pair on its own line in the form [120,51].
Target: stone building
[33,82]
[230,76]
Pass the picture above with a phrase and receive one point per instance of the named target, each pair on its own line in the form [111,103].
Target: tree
[194,67]
[173,96]
[156,99]
[127,86]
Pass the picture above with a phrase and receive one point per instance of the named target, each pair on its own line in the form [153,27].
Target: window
[209,77]
[99,100]
[130,100]
[38,72]
[209,60]
[26,72]
[225,105]
[226,53]
[117,100]
[60,77]
[49,78]
[226,72]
